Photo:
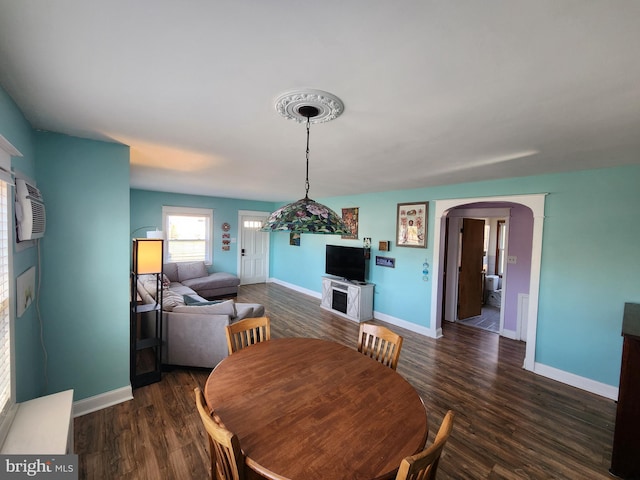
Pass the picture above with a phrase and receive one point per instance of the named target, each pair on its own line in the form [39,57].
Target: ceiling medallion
[328,105]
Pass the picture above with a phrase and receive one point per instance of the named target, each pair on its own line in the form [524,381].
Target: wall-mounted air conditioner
[30,214]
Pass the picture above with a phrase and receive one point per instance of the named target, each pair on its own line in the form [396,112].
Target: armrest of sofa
[194,340]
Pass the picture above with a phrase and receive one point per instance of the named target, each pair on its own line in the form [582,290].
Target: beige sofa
[193,329]
[196,276]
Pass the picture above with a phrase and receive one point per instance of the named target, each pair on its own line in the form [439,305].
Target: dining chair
[227,459]
[424,465]
[247,332]
[380,343]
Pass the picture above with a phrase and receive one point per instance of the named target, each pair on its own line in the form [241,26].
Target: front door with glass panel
[254,249]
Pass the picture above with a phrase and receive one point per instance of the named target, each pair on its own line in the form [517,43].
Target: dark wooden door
[470,275]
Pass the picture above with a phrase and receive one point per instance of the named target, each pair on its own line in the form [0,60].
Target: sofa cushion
[189,270]
[214,280]
[222,308]
[177,287]
[244,312]
[257,309]
[171,271]
[190,300]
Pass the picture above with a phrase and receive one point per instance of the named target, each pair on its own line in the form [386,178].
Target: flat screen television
[346,262]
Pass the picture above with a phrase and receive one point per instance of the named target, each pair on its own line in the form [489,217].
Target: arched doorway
[536,204]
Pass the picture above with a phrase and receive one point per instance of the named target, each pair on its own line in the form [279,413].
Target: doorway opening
[525,304]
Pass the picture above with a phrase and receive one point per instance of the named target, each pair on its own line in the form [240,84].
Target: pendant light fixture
[306,215]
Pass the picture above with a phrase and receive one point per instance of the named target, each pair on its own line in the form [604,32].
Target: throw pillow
[189,270]
[171,300]
[189,300]
[149,282]
[223,308]
[171,271]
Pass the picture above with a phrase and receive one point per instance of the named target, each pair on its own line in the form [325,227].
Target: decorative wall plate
[226,227]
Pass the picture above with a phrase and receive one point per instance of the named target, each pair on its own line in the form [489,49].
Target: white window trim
[6,419]
[205,212]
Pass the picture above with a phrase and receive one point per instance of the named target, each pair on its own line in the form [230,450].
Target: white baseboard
[509,334]
[104,400]
[297,288]
[577,381]
[398,322]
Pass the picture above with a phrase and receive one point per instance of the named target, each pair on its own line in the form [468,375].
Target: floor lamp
[146,318]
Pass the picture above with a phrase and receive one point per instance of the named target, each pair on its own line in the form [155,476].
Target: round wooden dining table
[311,409]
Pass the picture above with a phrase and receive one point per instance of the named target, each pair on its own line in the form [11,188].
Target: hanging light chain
[306,183]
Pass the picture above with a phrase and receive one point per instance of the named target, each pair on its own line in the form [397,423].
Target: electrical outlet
[512,259]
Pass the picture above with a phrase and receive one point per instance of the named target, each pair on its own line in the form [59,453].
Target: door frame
[535,202]
[255,213]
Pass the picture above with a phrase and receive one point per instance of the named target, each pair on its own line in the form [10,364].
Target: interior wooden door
[470,275]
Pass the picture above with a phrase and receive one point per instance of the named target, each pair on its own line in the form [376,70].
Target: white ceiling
[435,92]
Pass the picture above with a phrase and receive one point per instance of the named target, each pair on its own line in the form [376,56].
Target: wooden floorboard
[510,424]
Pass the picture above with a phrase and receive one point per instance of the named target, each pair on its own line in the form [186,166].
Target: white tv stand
[352,300]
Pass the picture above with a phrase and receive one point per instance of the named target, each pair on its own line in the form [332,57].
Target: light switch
[512,259]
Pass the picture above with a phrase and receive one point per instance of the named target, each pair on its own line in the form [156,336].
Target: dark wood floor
[510,423]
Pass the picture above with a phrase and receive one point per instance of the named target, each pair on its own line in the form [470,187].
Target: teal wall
[146,210]
[85,263]
[590,261]
[28,353]
[590,268]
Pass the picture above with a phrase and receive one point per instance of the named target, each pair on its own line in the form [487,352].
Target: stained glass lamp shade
[306,216]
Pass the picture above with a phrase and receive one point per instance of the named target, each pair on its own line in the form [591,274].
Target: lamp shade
[147,255]
[306,216]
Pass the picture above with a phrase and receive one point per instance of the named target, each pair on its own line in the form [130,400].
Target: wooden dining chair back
[424,465]
[380,343]
[247,332]
[227,459]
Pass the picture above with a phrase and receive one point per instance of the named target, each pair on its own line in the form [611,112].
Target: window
[7,400]
[500,246]
[188,233]
[252,224]
[485,246]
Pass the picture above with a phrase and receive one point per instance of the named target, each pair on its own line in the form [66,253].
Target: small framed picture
[350,218]
[411,224]
[386,262]
[383,246]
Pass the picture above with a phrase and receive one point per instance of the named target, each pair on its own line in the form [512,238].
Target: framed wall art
[385,262]
[350,218]
[411,224]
